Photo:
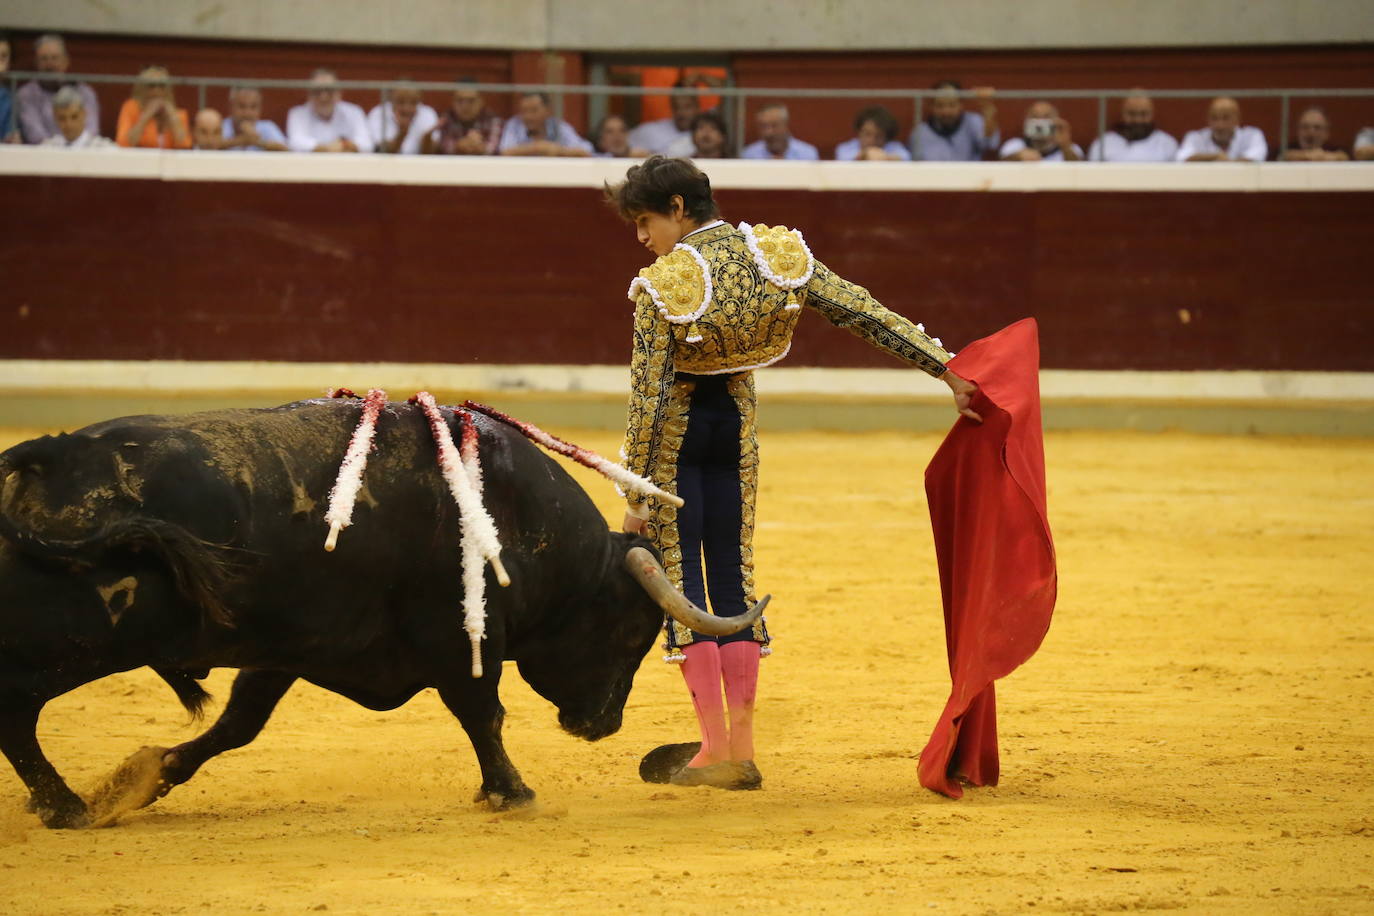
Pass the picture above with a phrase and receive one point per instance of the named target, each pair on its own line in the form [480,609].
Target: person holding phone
[1045,137]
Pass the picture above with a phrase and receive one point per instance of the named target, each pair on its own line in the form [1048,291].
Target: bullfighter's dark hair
[881,118]
[651,186]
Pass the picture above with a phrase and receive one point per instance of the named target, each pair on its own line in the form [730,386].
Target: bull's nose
[589,729]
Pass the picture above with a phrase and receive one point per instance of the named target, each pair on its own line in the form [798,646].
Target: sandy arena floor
[1194,734]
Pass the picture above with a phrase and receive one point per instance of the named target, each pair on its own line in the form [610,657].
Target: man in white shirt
[951,134]
[1314,139]
[1364,144]
[245,128]
[207,130]
[777,142]
[1045,137]
[400,123]
[33,103]
[326,123]
[1223,139]
[69,112]
[658,136]
[1135,138]
[534,131]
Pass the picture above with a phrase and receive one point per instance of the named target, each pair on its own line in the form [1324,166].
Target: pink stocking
[739,662]
[701,671]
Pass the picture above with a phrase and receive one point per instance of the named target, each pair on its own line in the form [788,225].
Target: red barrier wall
[142,269]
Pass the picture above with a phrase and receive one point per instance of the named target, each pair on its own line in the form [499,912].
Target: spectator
[246,129]
[1044,137]
[1135,138]
[776,140]
[710,137]
[35,97]
[534,131]
[1314,135]
[69,111]
[207,129]
[150,117]
[401,122]
[876,138]
[468,128]
[1364,144]
[659,136]
[9,125]
[326,123]
[951,134]
[612,138]
[1223,139]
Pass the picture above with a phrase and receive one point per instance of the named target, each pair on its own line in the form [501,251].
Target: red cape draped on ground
[986,489]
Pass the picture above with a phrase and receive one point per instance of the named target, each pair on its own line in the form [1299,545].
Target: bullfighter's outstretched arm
[850,306]
[651,380]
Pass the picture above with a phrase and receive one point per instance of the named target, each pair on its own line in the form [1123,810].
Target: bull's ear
[8,483]
[31,456]
[624,541]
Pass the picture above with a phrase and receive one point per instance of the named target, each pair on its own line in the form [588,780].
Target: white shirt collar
[719,222]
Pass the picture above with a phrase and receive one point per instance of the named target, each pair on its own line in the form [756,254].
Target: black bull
[187,543]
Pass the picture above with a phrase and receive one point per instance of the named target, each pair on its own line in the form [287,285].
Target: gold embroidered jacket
[726,299]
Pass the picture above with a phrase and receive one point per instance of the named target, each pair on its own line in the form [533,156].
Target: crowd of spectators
[53,110]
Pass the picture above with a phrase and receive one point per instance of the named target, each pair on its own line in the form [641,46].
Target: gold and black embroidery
[730,319]
[651,379]
[850,306]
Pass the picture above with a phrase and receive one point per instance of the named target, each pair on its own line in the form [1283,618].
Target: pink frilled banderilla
[626,480]
[462,471]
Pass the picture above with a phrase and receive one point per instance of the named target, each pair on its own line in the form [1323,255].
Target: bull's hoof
[662,762]
[507,800]
[136,783]
[67,815]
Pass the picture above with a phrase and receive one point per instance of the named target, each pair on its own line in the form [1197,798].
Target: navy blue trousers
[709,524]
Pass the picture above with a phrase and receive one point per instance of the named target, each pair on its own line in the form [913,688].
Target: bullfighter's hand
[633,524]
[964,390]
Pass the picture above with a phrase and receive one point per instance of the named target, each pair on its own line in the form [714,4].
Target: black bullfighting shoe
[750,777]
[662,762]
[728,774]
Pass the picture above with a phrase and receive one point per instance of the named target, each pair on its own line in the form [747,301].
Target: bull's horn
[651,576]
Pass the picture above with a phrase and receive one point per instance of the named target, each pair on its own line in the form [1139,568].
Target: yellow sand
[1194,735]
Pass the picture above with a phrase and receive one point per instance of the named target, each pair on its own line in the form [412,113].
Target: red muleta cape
[986,490]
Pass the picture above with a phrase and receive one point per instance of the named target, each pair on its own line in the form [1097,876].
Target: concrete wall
[725,25]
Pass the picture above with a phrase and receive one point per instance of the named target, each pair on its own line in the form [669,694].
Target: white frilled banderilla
[462,470]
[350,479]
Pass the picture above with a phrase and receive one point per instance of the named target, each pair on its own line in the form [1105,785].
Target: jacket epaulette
[679,282]
[781,255]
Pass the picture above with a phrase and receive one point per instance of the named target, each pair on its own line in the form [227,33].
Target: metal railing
[736,97]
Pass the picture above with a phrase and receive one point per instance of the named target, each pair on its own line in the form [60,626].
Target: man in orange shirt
[150,118]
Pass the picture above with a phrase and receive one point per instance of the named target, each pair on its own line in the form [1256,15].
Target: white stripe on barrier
[307,380]
[544,172]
